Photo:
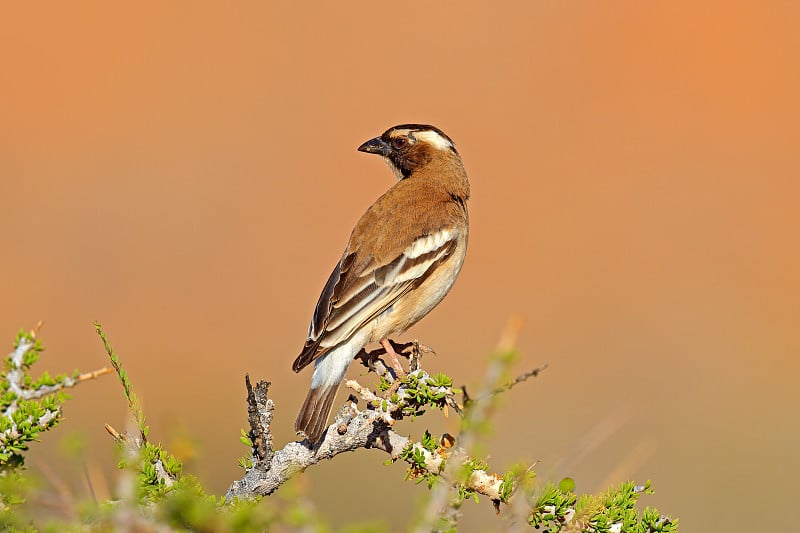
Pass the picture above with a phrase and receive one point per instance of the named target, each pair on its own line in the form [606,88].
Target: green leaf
[567,484]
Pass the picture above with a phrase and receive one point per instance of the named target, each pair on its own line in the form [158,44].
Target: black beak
[376,146]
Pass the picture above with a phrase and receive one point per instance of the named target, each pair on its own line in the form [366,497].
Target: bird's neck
[448,173]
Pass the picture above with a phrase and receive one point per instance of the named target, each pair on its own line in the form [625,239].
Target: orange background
[187,174]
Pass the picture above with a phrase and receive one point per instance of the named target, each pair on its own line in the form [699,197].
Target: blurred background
[187,174]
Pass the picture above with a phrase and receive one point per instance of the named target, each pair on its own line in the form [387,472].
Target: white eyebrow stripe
[429,243]
[434,139]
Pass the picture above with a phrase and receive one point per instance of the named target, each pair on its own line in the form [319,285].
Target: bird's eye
[398,142]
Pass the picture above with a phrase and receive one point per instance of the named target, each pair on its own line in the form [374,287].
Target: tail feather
[329,370]
[314,413]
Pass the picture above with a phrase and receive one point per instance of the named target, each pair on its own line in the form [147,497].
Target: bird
[401,260]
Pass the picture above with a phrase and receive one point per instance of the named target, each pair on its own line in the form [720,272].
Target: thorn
[424,348]
[94,375]
[113,432]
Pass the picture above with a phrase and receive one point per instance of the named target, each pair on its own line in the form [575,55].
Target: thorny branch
[442,510]
[513,383]
[446,465]
[18,370]
[354,428]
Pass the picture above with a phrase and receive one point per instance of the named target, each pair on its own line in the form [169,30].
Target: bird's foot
[413,350]
[393,360]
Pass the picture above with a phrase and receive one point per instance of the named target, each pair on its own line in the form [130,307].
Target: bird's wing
[360,289]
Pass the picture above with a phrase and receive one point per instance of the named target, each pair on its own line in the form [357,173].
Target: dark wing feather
[352,299]
[321,311]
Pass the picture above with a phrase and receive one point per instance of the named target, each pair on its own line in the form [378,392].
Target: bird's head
[409,147]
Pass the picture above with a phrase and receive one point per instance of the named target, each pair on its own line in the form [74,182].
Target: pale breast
[420,301]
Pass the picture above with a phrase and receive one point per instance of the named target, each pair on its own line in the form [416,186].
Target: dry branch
[352,429]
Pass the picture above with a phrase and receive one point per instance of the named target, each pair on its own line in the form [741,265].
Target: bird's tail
[329,371]
[314,414]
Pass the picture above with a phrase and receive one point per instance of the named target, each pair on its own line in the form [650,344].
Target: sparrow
[401,260]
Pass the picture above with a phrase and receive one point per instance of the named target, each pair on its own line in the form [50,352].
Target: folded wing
[357,292]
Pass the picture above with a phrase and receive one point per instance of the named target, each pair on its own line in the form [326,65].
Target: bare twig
[67,383]
[513,383]
[86,376]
